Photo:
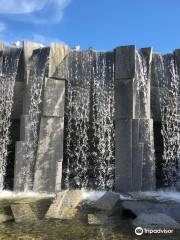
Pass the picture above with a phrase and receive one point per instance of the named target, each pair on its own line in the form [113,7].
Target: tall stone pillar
[34,63]
[48,171]
[133,127]
[124,112]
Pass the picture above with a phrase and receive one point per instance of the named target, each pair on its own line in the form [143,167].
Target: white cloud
[37,11]
[21,6]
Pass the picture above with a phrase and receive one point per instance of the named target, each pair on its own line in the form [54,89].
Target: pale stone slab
[58,61]
[50,153]
[65,205]
[53,101]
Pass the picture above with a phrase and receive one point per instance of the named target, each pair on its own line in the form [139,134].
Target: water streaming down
[9,60]
[89,130]
[36,75]
[168,83]
[77,121]
[142,86]
[102,155]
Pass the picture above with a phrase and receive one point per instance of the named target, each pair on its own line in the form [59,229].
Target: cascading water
[168,83]
[102,156]
[141,87]
[77,121]
[89,131]
[9,64]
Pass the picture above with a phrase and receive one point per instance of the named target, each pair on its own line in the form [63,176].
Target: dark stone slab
[124,99]
[177,58]
[137,157]
[172,209]
[125,62]
[18,100]
[123,155]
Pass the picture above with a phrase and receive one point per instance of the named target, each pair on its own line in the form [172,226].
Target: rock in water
[29,211]
[155,220]
[97,219]
[65,205]
[107,202]
[171,209]
[5,214]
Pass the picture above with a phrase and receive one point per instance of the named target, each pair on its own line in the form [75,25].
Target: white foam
[161,195]
[30,194]
[93,195]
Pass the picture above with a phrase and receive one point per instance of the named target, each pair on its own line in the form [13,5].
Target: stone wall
[137,119]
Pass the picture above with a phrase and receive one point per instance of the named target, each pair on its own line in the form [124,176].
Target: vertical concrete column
[133,153]
[48,171]
[35,60]
[124,112]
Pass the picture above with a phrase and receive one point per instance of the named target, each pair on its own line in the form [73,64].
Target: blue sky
[101,24]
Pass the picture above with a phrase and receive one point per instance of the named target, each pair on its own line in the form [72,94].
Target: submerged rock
[97,218]
[155,220]
[25,211]
[5,214]
[107,202]
[65,206]
[170,208]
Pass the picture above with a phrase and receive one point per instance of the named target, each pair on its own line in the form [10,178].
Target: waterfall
[77,120]
[9,60]
[168,84]
[102,121]
[142,87]
[89,131]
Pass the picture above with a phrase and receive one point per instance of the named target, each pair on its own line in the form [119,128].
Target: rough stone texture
[5,214]
[125,62]
[66,200]
[177,57]
[123,153]
[24,129]
[146,137]
[53,103]
[124,99]
[107,202]
[24,211]
[137,157]
[155,104]
[171,209]
[20,163]
[97,219]
[50,153]
[155,220]
[58,61]
[18,100]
